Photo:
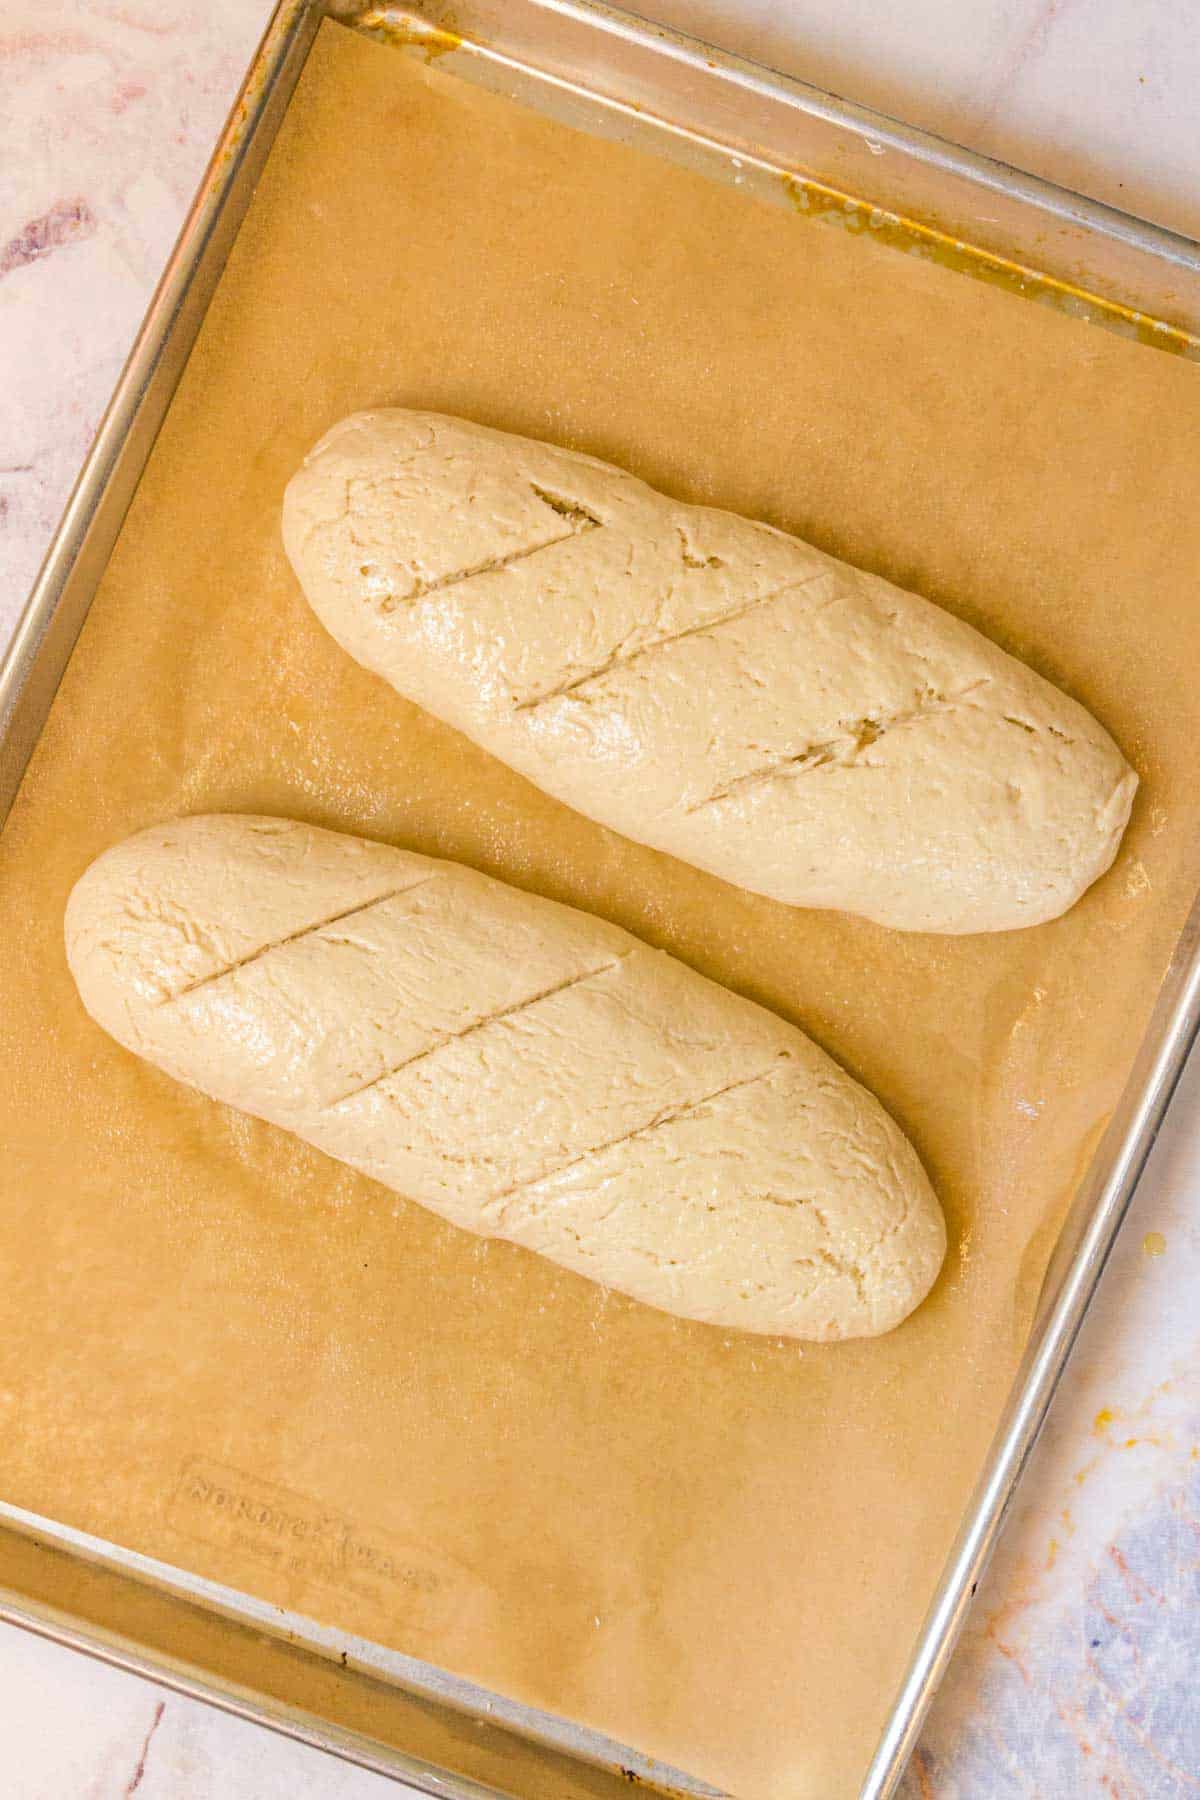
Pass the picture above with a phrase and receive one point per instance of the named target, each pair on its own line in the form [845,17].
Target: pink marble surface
[1079,1673]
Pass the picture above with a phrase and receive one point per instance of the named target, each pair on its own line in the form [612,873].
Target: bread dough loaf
[704,683]
[521,1068]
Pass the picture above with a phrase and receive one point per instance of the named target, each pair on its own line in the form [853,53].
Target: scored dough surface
[705,683]
[523,1069]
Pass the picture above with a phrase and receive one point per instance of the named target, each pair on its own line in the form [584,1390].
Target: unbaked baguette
[704,683]
[521,1068]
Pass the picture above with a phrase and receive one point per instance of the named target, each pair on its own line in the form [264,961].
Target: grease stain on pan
[860,219]
[404,31]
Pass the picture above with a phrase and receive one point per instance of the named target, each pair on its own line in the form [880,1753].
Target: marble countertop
[1080,1667]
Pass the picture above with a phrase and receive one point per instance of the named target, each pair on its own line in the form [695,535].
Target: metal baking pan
[608,73]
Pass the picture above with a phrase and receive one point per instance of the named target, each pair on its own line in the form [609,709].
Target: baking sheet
[228,1353]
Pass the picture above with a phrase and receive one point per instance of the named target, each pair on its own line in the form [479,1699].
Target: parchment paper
[223,1350]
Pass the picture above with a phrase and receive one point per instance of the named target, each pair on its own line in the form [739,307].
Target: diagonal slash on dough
[493,1018]
[621,658]
[667,1117]
[578,520]
[843,750]
[294,937]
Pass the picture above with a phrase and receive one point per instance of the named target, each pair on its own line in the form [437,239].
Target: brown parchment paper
[227,1352]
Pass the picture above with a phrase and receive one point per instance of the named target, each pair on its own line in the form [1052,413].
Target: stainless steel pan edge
[1071,1281]
[1035,232]
[464,1710]
[613,57]
[59,600]
[181,1677]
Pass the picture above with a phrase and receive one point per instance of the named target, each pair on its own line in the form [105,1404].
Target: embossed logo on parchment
[304,1541]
